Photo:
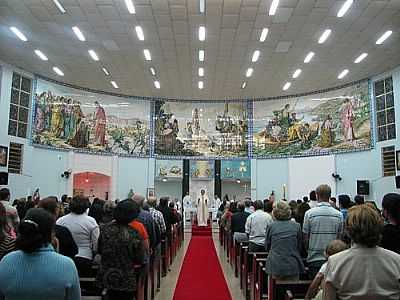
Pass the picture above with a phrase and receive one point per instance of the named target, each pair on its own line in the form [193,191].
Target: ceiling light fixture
[273,7]
[58,71]
[41,55]
[201,55]
[256,55]
[147,54]
[324,36]
[93,55]
[201,71]
[296,73]
[249,72]
[202,33]
[244,84]
[78,33]
[309,57]
[59,6]
[286,86]
[345,7]
[264,34]
[130,7]
[384,37]
[114,84]
[18,33]
[343,74]
[157,84]
[202,6]
[105,71]
[201,85]
[139,33]
[361,58]
[153,71]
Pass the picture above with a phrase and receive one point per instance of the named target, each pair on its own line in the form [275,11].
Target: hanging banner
[235,169]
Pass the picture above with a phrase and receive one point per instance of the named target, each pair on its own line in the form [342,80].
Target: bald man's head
[139,199]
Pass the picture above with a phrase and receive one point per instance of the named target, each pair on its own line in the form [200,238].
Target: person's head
[248,203]
[313,196]
[358,200]
[171,204]
[268,206]
[281,211]
[152,201]
[323,193]
[203,192]
[241,206]
[79,205]
[298,201]
[305,199]
[232,207]
[35,231]
[364,225]
[334,247]
[258,204]
[391,207]
[139,199]
[126,211]
[109,207]
[344,201]
[64,198]
[164,201]
[4,194]
[50,204]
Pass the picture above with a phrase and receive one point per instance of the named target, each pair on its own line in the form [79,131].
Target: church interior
[199,149]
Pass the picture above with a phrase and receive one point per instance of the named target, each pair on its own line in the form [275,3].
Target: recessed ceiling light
[345,7]
[201,55]
[201,71]
[147,54]
[18,33]
[105,71]
[78,33]
[153,71]
[361,58]
[324,36]
[58,71]
[309,57]
[202,33]
[202,6]
[286,86]
[343,74]
[256,55]
[264,34]
[384,37]
[93,55]
[114,84]
[249,72]
[296,73]
[244,84]
[139,33]
[273,7]
[201,85]
[130,7]
[41,55]
[59,6]
[157,84]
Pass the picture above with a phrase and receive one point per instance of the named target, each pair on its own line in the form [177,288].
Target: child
[315,289]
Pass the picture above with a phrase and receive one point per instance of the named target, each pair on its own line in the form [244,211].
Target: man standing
[322,224]
[147,220]
[238,223]
[11,212]
[256,226]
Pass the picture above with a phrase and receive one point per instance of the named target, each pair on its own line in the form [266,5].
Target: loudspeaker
[3,178]
[362,187]
[397,182]
[217,179]
[185,179]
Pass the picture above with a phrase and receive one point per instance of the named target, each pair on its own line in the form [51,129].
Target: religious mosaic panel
[235,169]
[207,129]
[202,169]
[169,168]
[334,121]
[70,118]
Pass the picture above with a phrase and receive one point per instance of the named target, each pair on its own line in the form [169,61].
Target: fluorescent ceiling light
[256,55]
[286,86]
[202,33]
[147,54]
[139,33]
[361,58]
[93,55]
[18,33]
[264,34]
[244,84]
[153,71]
[249,72]
[130,7]
[324,36]
[201,72]
[114,84]
[157,84]
[343,74]
[79,33]
[201,85]
[273,7]
[41,55]
[105,71]
[345,7]
[59,6]
[296,73]
[384,37]
[201,55]
[202,6]
[58,71]
[309,57]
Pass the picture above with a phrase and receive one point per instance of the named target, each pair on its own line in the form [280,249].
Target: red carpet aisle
[201,276]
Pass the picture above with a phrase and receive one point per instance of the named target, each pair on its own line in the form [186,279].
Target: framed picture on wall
[398,160]
[150,192]
[3,156]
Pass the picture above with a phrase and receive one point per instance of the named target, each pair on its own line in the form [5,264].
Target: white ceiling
[233,29]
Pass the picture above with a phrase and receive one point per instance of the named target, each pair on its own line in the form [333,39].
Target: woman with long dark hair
[391,230]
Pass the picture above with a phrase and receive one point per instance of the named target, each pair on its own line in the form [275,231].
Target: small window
[15,158]
[385,115]
[19,106]
[388,161]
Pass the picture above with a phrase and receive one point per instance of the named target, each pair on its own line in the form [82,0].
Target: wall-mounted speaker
[217,179]
[3,178]
[362,187]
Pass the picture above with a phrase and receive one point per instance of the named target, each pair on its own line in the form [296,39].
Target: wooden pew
[277,288]
[260,287]
[256,259]
[243,265]
[164,257]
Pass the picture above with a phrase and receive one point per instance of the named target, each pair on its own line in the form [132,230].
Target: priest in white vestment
[202,208]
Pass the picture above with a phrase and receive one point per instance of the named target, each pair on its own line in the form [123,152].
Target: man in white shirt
[256,226]
[313,199]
